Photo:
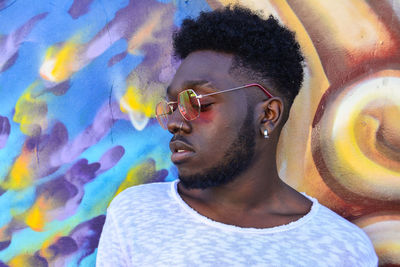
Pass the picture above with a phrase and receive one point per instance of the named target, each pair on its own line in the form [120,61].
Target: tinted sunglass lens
[189,105]
[163,111]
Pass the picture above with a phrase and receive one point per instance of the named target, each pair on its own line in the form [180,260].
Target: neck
[256,198]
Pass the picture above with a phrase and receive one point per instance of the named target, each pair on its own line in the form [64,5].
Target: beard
[237,159]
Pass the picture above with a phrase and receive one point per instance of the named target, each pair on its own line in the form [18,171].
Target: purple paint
[110,158]
[5,129]
[9,62]
[102,123]
[63,246]
[9,45]
[82,241]
[38,261]
[6,4]
[82,172]
[168,71]
[79,8]
[158,176]
[126,21]
[68,190]
[4,244]
[71,185]
[60,88]
[44,147]
[59,190]
[32,143]
[87,235]
[117,58]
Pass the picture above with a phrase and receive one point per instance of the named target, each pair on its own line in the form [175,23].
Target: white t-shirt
[150,225]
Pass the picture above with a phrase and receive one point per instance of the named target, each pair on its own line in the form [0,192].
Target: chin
[192,184]
[205,180]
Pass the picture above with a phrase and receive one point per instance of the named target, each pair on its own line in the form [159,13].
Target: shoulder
[141,195]
[330,219]
[346,235]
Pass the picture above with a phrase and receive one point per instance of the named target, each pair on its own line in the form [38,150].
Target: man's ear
[271,113]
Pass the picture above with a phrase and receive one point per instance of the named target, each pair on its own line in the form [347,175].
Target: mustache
[180,138]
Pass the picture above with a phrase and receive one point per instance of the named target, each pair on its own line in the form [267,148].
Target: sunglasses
[189,105]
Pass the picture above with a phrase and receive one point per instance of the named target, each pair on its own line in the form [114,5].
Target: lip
[181,151]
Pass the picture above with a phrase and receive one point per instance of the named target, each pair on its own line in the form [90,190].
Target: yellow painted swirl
[360,137]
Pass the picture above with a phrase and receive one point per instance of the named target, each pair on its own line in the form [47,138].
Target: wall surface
[79,80]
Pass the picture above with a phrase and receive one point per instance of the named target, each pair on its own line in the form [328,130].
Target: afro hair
[261,46]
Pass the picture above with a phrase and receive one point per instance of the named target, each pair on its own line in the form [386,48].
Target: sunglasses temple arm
[224,91]
[237,88]
[262,88]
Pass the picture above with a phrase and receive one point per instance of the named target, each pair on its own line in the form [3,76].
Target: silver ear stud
[266,136]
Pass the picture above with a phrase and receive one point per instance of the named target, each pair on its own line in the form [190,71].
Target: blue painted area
[189,8]
[15,81]
[5,214]
[14,203]
[89,90]
[139,146]
[20,12]
[165,1]
[88,261]
[22,200]
[58,24]
[24,241]
[12,149]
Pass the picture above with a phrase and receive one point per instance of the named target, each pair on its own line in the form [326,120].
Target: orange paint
[145,32]
[25,260]
[36,216]
[20,175]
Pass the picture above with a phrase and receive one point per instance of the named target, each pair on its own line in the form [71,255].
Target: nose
[176,122]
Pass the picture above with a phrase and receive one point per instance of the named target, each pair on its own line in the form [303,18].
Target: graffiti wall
[79,80]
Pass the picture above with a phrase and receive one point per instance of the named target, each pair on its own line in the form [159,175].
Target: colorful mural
[79,80]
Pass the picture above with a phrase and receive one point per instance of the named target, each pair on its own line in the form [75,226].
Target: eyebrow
[188,84]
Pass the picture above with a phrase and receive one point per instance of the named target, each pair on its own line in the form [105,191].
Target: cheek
[218,119]
[206,117]
[216,115]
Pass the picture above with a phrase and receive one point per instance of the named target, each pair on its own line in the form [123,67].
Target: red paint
[206,116]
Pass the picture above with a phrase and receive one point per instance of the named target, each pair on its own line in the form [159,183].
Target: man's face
[214,148]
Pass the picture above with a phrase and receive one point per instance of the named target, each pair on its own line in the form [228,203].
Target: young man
[226,107]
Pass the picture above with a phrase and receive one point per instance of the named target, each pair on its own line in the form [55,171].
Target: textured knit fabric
[150,225]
